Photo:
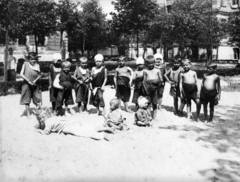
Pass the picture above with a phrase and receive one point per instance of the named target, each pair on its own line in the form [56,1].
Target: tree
[9,22]
[133,16]
[234,28]
[40,18]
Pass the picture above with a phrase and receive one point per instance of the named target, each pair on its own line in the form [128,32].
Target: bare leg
[188,111]
[27,110]
[211,111]
[181,107]
[104,129]
[159,103]
[175,103]
[205,110]
[154,111]
[80,107]
[198,104]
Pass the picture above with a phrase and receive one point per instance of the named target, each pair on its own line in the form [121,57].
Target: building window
[235,2]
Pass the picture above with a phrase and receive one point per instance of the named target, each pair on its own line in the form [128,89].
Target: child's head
[143,102]
[150,62]
[158,59]
[99,60]
[83,62]
[57,58]
[176,62]
[32,58]
[114,104]
[42,114]
[121,61]
[211,67]
[186,64]
[140,63]
[66,65]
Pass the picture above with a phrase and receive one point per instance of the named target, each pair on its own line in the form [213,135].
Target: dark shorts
[53,94]
[160,91]
[208,96]
[30,92]
[81,91]
[175,91]
[64,96]
[190,92]
[123,93]
[97,99]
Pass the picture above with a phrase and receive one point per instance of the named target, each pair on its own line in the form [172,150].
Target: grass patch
[232,87]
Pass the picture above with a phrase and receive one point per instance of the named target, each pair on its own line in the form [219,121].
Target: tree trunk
[137,45]
[6,56]
[61,38]
[83,49]
[36,44]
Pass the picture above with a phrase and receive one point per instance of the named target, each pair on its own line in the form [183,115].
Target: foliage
[234,28]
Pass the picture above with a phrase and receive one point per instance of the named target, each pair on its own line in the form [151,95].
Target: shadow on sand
[224,136]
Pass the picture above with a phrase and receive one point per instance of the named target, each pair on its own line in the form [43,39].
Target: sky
[107,7]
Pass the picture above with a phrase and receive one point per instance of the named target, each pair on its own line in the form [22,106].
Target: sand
[175,149]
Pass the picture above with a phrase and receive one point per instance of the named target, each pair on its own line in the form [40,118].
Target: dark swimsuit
[208,95]
[189,92]
[123,88]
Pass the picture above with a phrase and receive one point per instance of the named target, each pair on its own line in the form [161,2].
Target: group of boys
[147,82]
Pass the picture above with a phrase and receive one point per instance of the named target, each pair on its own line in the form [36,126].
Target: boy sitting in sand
[189,89]
[114,119]
[152,80]
[143,115]
[51,124]
[210,91]
[173,77]
[123,81]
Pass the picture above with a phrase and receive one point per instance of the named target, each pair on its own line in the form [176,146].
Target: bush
[220,72]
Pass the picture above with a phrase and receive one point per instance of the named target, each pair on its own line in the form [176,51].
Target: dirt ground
[175,149]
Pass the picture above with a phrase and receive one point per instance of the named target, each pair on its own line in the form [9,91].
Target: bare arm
[115,78]
[219,87]
[180,85]
[160,75]
[144,76]
[23,76]
[50,78]
[105,78]
[166,76]
[131,77]
[56,82]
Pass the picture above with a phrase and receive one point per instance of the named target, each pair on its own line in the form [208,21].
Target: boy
[210,90]
[55,69]
[152,80]
[82,76]
[114,119]
[138,79]
[30,72]
[63,83]
[188,88]
[173,77]
[99,79]
[123,81]
[159,64]
[143,115]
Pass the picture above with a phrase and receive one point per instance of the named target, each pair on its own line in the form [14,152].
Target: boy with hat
[138,79]
[82,86]
[98,81]
[55,69]
[30,73]
[159,64]
[123,81]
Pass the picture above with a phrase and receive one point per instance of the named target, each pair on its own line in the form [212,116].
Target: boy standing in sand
[173,77]
[30,72]
[152,80]
[123,81]
[210,91]
[82,78]
[159,64]
[138,79]
[189,89]
[63,83]
[98,81]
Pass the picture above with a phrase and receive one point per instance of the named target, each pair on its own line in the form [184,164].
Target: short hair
[115,102]
[83,59]
[142,101]
[150,59]
[45,111]
[66,64]
[186,61]
[212,65]
[122,58]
